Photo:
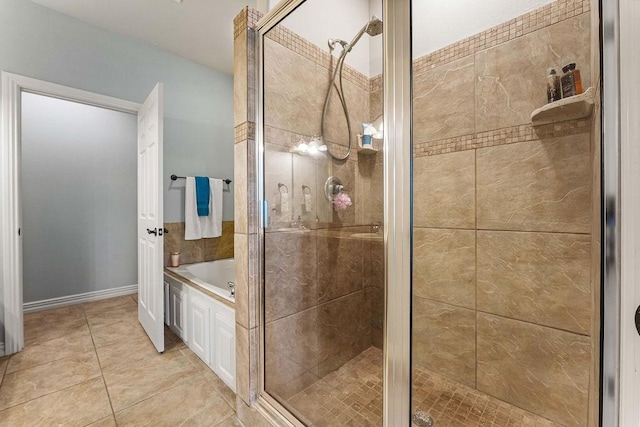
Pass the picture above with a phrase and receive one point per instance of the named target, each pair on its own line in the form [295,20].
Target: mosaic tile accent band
[535,20]
[492,138]
[247,18]
[310,51]
[244,131]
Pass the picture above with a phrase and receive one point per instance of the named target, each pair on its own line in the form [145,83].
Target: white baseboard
[46,304]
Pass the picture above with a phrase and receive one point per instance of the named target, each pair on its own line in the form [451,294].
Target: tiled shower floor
[352,396]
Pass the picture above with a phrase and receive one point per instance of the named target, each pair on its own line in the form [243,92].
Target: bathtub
[214,276]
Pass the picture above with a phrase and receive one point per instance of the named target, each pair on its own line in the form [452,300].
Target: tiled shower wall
[192,251]
[502,240]
[323,286]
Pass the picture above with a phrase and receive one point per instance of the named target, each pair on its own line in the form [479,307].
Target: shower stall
[428,225]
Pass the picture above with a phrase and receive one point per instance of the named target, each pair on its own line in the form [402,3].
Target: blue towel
[202,195]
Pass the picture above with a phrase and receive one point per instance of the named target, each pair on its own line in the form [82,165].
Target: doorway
[149,128]
[78,173]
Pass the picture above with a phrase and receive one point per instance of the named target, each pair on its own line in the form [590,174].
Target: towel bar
[175,177]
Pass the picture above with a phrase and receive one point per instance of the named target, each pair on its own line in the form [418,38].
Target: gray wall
[79,198]
[198,130]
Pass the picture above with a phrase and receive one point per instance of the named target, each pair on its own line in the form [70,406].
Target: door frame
[621,205]
[10,208]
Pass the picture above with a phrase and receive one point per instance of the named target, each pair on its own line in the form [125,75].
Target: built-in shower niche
[324,268]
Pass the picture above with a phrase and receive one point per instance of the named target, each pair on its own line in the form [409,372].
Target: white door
[150,221]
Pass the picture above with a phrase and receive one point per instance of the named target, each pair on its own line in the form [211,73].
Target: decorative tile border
[537,19]
[510,135]
[375,83]
[244,131]
[283,140]
[247,18]
[312,52]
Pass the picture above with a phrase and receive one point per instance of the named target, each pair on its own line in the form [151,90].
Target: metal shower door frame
[397,210]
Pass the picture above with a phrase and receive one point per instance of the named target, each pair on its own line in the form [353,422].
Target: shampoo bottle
[571,82]
[553,86]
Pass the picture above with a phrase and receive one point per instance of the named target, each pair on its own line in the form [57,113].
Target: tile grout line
[104,381]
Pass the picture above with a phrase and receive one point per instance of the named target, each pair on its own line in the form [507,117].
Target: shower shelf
[365,150]
[572,108]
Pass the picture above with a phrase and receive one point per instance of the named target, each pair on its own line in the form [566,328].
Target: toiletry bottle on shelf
[571,82]
[553,86]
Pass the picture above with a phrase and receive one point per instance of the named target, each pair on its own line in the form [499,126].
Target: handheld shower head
[374,26]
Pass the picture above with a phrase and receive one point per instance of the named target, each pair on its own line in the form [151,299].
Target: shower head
[374,26]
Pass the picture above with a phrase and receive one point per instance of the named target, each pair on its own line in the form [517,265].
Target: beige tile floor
[352,396]
[92,364]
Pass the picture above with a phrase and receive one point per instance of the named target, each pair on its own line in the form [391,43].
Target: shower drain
[422,419]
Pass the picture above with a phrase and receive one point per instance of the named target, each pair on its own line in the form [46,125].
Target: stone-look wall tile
[536,186]
[375,105]
[240,186]
[444,266]
[542,370]
[240,68]
[346,172]
[247,363]
[279,171]
[305,173]
[241,262]
[511,77]
[444,101]
[294,338]
[293,97]
[336,129]
[373,258]
[291,283]
[343,331]
[444,190]
[444,340]
[220,247]
[542,278]
[340,267]
[192,251]
[369,209]
[375,303]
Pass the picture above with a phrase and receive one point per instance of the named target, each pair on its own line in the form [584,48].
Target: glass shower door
[323,285]
[504,282]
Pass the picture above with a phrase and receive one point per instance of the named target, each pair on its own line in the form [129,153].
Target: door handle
[154,231]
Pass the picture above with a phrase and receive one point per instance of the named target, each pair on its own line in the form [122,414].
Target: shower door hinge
[638,320]
[19,232]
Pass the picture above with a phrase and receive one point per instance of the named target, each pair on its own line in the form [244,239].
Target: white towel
[198,227]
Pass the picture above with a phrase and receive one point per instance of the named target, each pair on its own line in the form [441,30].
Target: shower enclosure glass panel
[323,285]
[504,278]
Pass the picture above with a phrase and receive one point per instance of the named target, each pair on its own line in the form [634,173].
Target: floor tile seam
[4,372]
[229,418]
[48,394]
[204,376]
[50,361]
[104,381]
[110,371]
[157,394]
